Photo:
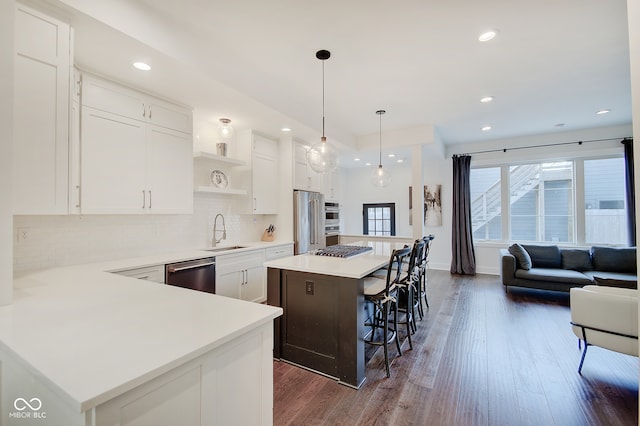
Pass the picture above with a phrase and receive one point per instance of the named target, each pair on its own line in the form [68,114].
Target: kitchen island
[322,327]
[81,346]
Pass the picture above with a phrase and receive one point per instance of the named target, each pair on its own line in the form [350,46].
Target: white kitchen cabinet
[277,252]
[113,161]
[230,384]
[153,273]
[74,145]
[41,113]
[130,164]
[111,97]
[260,177]
[241,276]
[331,185]
[304,177]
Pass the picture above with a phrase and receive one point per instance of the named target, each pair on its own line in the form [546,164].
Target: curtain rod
[542,146]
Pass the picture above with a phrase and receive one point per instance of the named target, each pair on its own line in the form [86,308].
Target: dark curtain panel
[463,258]
[630,188]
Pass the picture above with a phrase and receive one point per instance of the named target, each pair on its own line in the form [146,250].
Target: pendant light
[380,177]
[225,131]
[322,157]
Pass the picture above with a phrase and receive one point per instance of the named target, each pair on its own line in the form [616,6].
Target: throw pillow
[576,259]
[544,256]
[522,257]
[612,259]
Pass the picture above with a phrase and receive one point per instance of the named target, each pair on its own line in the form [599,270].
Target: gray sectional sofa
[558,269]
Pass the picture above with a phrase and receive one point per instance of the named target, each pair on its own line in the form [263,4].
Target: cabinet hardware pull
[149,111]
[144,110]
[149,194]
[255,204]
[144,198]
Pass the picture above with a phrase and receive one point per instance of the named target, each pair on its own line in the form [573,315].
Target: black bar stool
[424,270]
[383,294]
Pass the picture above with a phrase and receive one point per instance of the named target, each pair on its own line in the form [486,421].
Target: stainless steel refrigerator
[308,221]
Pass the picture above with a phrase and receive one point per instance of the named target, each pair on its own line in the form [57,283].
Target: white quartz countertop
[94,335]
[357,266]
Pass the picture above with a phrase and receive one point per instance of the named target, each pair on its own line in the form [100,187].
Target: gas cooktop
[340,250]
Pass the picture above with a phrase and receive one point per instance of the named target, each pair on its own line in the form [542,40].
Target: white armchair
[605,317]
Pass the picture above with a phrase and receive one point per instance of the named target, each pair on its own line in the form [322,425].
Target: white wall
[6,143]
[66,240]
[358,190]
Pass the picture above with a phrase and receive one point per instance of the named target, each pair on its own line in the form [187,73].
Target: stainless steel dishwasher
[197,274]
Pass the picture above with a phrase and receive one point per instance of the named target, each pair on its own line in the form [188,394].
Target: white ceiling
[553,62]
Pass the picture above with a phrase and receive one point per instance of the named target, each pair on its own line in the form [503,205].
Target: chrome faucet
[214,241]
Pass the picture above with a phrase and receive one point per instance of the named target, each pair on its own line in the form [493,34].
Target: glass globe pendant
[380,176]
[225,131]
[322,157]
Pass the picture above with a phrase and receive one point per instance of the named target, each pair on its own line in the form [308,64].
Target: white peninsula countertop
[357,266]
[92,335]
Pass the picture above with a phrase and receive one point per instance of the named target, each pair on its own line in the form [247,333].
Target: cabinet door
[265,185]
[253,288]
[265,176]
[110,97]
[113,161]
[41,114]
[170,116]
[169,171]
[228,283]
[303,176]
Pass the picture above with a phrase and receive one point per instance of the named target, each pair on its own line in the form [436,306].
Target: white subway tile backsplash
[67,240]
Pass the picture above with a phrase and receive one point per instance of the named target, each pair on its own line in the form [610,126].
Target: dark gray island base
[322,327]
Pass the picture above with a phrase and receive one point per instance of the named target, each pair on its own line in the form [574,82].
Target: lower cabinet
[232,384]
[241,276]
[153,273]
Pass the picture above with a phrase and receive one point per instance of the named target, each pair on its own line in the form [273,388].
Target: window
[604,201]
[541,200]
[379,219]
[486,204]
[538,202]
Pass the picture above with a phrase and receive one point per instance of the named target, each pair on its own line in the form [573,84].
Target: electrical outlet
[22,235]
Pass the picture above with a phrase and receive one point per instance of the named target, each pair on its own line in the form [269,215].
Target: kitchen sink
[216,249]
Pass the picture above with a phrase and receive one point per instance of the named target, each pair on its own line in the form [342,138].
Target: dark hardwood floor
[481,356]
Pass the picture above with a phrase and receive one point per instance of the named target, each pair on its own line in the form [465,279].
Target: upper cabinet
[304,177]
[41,113]
[331,185]
[260,177]
[109,97]
[136,152]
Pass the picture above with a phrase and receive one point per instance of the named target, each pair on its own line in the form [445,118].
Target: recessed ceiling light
[603,111]
[400,160]
[486,128]
[486,99]
[285,129]
[142,66]
[356,159]
[488,35]
[391,155]
[367,164]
